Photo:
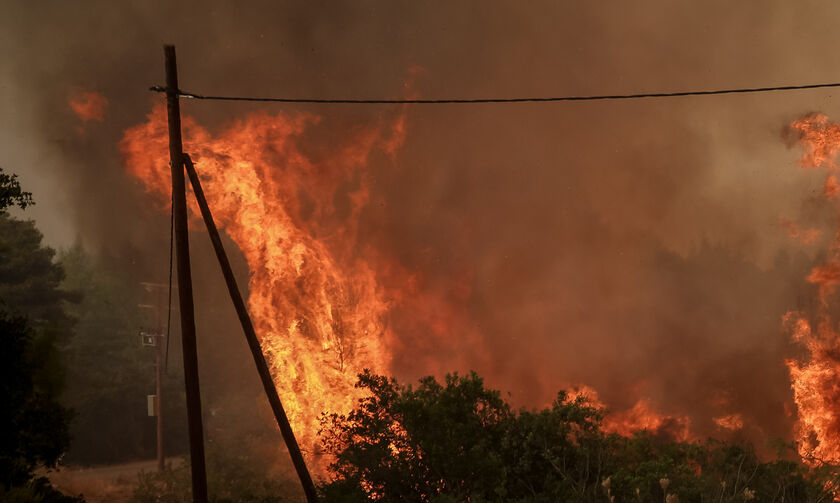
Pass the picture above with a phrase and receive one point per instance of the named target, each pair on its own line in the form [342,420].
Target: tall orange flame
[815,378]
[316,306]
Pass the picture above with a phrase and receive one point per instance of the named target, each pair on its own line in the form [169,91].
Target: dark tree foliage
[11,194]
[459,441]
[402,443]
[33,425]
[29,278]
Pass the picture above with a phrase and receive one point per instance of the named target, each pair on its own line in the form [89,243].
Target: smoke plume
[642,248]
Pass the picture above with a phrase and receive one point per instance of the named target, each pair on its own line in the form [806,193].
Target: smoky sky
[636,247]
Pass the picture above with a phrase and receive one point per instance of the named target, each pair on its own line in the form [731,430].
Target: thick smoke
[638,247]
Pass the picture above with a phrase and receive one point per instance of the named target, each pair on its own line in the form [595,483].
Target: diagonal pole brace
[251,336]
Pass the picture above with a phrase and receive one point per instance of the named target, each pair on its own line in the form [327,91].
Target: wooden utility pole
[251,336]
[161,463]
[185,296]
[159,338]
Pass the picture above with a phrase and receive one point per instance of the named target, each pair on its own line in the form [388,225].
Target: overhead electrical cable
[458,101]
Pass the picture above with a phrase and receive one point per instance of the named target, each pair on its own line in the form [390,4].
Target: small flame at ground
[731,422]
[642,416]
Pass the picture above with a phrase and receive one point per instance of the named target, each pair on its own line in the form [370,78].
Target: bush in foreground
[458,441]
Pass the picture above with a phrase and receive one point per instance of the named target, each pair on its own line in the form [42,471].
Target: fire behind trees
[456,440]
[297,195]
[438,442]
[459,441]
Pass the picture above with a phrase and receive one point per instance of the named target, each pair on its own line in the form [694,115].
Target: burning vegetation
[659,258]
[316,305]
[321,299]
[324,302]
[815,376]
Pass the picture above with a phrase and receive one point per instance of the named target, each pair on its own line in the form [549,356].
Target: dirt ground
[102,484]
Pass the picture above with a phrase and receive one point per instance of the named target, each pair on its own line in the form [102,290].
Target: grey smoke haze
[632,246]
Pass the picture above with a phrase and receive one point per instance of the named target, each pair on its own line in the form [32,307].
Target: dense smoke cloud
[638,247]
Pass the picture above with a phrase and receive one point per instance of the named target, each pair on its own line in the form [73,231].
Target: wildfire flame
[321,303]
[315,304]
[731,422]
[815,378]
[642,416]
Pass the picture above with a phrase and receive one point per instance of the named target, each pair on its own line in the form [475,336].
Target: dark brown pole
[185,296]
[158,399]
[251,336]
[159,337]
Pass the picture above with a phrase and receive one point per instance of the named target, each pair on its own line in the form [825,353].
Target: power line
[184,94]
